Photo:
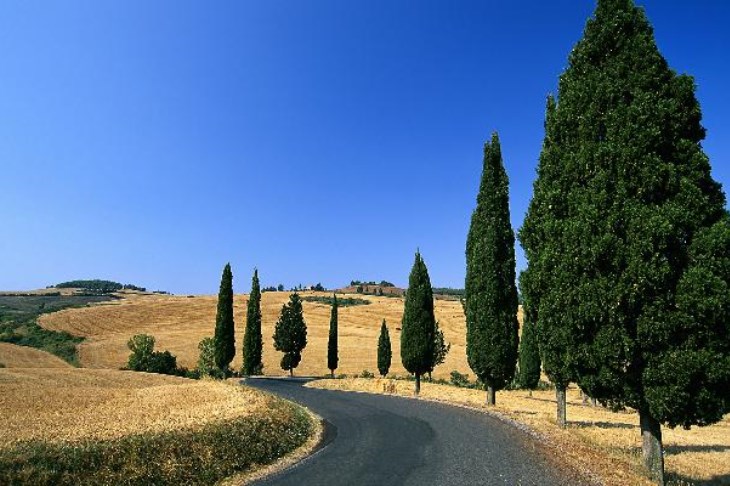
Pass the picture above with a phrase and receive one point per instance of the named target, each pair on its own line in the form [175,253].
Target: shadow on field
[674,479]
[603,425]
[678,449]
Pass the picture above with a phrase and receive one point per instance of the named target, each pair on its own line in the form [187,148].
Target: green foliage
[346,302]
[440,349]
[418,326]
[332,357]
[366,374]
[225,344]
[627,236]
[529,355]
[201,456]
[101,286]
[385,354]
[458,379]
[382,283]
[290,333]
[206,359]
[252,339]
[449,291]
[143,357]
[490,292]
[19,313]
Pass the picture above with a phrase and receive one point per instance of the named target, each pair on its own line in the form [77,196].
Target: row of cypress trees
[627,238]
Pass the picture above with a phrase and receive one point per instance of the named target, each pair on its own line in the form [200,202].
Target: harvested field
[68,405]
[14,356]
[179,323]
[596,439]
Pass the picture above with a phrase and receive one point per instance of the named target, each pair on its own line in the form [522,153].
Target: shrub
[366,374]
[145,358]
[459,379]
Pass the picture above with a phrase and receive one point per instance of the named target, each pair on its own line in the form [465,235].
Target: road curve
[387,440]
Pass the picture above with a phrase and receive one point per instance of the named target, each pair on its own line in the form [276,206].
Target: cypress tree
[529,356]
[225,341]
[290,333]
[627,234]
[440,349]
[252,340]
[384,352]
[332,357]
[418,326]
[490,291]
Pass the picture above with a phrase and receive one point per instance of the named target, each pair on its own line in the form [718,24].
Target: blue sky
[322,141]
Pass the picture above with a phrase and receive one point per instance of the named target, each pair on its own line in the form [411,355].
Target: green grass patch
[202,456]
[19,315]
[341,302]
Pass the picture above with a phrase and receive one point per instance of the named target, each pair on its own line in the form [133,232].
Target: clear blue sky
[322,141]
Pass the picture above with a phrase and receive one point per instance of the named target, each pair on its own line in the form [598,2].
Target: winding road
[387,440]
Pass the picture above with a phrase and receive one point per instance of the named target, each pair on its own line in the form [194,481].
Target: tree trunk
[560,397]
[291,372]
[418,383]
[491,396]
[594,402]
[332,373]
[651,447]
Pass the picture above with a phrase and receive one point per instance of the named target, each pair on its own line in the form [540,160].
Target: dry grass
[13,356]
[597,440]
[76,404]
[179,323]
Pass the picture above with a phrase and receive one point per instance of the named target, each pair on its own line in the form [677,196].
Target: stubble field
[178,323]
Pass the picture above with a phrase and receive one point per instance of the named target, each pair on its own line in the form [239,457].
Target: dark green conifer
[384,352]
[252,339]
[418,327]
[627,236]
[225,341]
[529,355]
[332,357]
[290,334]
[490,291]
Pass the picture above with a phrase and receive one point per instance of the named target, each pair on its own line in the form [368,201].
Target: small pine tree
[418,327]
[332,357]
[490,291]
[206,358]
[529,356]
[225,341]
[384,352]
[252,340]
[290,334]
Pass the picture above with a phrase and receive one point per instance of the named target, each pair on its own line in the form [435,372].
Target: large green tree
[627,233]
[490,291]
[290,333]
[418,326]
[384,352]
[225,341]
[252,339]
[332,357]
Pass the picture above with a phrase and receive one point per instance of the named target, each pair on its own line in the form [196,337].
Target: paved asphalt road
[386,440]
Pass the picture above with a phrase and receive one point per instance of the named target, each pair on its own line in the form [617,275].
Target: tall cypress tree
[384,352]
[418,326]
[529,356]
[490,291]
[225,341]
[627,233]
[332,357]
[252,340]
[290,333]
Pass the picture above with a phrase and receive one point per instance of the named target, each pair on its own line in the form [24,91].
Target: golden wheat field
[178,323]
[13,356]
[596,439]
[75,404]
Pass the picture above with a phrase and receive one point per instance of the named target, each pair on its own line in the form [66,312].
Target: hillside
[179,323]
[13,356]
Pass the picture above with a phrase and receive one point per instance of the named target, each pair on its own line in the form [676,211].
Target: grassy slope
[13,356]
[75,426]
[179,323]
